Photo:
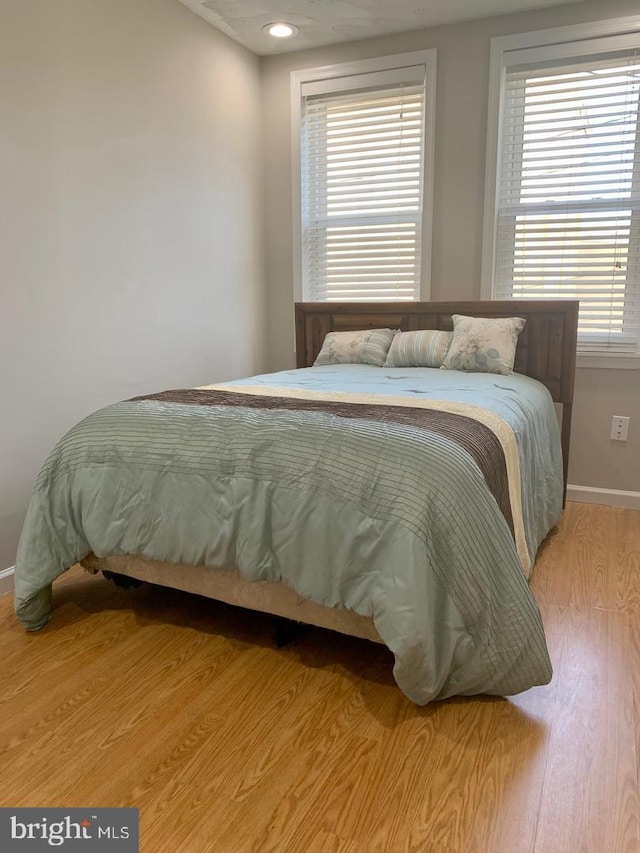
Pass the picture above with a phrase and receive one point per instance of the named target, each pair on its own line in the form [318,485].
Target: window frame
[542,44]
[328,73]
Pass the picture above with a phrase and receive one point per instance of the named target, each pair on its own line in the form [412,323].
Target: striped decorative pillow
[369,346]
[426,348]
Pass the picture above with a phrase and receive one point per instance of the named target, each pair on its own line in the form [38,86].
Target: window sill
[611,361]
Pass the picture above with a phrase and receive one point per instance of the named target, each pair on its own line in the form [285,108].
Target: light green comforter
[350,514]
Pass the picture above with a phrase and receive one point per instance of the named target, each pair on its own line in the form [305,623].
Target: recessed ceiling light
[281,30]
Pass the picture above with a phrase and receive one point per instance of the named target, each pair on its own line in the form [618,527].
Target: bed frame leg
[123,581]
[286,631]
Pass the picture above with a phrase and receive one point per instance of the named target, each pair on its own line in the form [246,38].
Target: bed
[359,499]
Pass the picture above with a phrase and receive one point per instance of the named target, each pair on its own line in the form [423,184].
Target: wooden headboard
[546,346]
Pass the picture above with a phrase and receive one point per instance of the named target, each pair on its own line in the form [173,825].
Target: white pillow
[369,346]
[483,345]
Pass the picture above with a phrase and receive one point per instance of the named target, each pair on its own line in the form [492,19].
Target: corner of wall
[6,580]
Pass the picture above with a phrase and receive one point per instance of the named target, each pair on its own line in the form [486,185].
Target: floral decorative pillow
[366,347]
[483,345]
[425,348]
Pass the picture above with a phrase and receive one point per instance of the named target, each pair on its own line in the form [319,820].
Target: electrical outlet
[619,428]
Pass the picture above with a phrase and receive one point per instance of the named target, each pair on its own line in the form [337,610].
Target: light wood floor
[185,709]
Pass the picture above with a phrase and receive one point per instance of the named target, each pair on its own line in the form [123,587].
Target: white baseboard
[606,497]
[6,580]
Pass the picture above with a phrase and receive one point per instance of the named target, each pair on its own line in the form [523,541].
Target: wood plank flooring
[185,709]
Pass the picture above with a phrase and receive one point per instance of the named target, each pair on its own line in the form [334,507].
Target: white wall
[461,115]
[130,217]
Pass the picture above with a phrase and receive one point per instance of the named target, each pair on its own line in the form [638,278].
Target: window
[364,172]
[565,218]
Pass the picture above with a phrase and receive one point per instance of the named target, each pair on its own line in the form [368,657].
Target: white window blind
[362,170]
[568,195]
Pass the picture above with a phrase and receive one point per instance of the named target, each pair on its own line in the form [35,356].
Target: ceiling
[323,22]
